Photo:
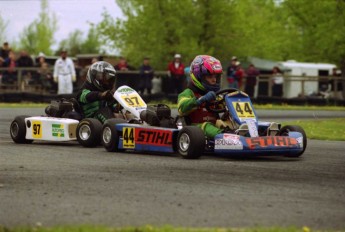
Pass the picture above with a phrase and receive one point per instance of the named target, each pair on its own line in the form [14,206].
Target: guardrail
[294,86]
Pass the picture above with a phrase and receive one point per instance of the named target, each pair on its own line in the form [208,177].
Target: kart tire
[18,130]
[89,132]
[110,136]
[284,131]
[190,142]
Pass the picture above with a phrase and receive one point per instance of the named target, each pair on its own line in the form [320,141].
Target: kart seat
[150,117]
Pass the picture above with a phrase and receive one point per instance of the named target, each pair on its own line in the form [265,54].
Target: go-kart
[243,133]
[63,121]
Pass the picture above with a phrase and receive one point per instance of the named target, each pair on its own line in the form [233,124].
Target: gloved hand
[106,95]
[210,96]
[74,78]
[55,79]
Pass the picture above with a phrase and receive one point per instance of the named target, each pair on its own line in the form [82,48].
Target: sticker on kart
[270,141]
[133,100]
[243,110]
[37,129]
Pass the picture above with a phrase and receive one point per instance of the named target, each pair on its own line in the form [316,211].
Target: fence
[294,86]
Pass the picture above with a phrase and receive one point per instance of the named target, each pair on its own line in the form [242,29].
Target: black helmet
[101,74]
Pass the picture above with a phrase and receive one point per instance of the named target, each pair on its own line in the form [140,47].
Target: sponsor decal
[153,137]
[37,129]
[133,100]
[275,141]
[243,109]
[253,130]
[229,141]
[125,90]
[58,130]
[128,137]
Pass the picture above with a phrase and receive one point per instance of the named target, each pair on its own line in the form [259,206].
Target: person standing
[25,61]
[146,76]
[43,74]
[176,73]
[64,73]
[10,75]
[5,51]
[277,82]
[251,74]
[230,73]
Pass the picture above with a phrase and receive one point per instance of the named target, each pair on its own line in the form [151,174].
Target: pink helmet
[201,66]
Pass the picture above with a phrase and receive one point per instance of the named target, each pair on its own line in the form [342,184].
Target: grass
[325,129]
[149,228]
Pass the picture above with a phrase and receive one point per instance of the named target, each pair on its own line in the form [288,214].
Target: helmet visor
[106,79]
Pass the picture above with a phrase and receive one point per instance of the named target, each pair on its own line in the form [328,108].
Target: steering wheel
[214,106]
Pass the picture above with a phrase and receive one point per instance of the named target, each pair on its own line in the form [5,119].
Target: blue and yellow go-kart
[243,133]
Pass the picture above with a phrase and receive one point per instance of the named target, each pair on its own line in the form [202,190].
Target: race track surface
[65,184]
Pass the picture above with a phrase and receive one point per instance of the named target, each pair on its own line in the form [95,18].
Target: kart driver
[96,95]
[205,74]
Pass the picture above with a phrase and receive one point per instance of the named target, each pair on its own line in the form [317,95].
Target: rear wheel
[285,131]
[18,130]
[89,132]
[110,136]
[190,142]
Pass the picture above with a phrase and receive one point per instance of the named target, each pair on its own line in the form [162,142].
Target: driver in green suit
[205,74]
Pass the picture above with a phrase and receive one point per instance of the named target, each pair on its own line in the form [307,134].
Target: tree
[76,44]
[39,35]
[321,30]
[3,27]
[72,44]
[161,28]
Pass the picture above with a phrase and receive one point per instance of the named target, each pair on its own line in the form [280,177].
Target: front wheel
[89,132]
[190,142]
[285,131]
[18,130]
[110,136]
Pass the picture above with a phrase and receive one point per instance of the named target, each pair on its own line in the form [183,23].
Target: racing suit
[92,106]
[64,75]
[197,115]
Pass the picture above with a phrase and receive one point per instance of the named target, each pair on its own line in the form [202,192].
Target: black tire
[284,131]
[110,136]
[89,132]
[18,130]
[190,142]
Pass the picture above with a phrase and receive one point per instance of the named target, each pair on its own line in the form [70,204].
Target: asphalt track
[65,184]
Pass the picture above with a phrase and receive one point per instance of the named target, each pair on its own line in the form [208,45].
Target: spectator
[146,76]
[5,50]
[176,74]
[123,78]
[277,82]
[251,75]
[10,75]
[64,73]
[230,73]
[187,73]
[123,65]
[239,75]
[1,66]
[336,73]
[84,71]
[25,61]
[44,75]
